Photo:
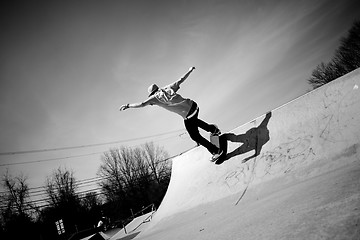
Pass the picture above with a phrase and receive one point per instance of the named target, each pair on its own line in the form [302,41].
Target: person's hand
[191,69]
[124,107]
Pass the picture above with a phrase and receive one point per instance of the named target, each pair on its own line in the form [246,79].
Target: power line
[90,180]
[86,185]
[50,159]
[38,205]
[86,180]
[80,194]
[66,157]
[82,181]
[84,146]
[76,182]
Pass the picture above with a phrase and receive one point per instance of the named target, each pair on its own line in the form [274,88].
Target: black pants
[192,126]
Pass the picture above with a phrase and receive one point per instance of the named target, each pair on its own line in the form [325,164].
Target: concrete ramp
[97,236]
[301,139]
[134,227]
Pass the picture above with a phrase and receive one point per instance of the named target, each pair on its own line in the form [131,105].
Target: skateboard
[220,142]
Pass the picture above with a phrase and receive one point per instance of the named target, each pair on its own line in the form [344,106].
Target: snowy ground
[322,207]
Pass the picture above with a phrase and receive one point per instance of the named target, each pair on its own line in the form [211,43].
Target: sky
[67,66]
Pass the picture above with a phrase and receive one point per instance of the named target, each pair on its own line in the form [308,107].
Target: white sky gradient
[67,66]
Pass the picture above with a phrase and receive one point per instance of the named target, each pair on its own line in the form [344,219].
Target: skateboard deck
[220,142]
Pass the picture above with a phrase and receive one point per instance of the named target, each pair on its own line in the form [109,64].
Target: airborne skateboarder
[168,98]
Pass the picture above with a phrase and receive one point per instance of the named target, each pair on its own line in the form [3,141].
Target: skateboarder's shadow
[253,139]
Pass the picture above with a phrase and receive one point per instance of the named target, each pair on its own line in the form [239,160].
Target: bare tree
[60,187]
[64,203]
[116,172]
[141,168]
[16,208]
[91,201]
[345,60]
[157,160]
[17,195]
[134,177]
[123,167]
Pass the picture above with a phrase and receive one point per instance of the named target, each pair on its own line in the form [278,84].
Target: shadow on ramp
[253,139]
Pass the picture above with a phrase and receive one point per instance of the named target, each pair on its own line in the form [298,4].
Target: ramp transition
[322,126]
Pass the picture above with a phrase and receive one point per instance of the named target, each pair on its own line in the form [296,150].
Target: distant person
[168,98]
[101,224]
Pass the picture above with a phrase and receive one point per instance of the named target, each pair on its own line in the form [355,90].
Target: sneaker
[216,156]
[217,131]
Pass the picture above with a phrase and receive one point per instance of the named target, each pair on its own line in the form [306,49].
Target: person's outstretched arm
[136,105]
[183,78]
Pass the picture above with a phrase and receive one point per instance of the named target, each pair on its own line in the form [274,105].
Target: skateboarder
[168,98]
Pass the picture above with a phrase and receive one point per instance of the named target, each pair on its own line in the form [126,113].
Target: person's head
[152,89]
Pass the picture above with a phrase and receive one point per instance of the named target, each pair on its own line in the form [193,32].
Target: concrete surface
[290,174]
[134,227]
